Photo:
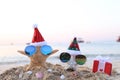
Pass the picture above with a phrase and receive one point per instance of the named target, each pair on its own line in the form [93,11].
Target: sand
[56,72]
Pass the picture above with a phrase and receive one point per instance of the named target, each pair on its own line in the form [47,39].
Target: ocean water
[9,54]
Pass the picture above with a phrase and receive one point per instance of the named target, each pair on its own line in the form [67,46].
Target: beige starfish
[38,59]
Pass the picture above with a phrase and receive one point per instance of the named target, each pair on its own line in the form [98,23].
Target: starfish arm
[21,52]
[53,52]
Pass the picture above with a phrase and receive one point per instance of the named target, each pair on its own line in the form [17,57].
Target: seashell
[17,72]
[29,72]
[49,70]
[20,75]
[62,77]
[75,73]
[39,75]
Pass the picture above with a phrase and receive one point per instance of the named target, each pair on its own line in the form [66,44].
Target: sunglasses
[65,57]
[45,50]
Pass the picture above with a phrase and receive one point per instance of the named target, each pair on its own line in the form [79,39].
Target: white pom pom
[35,25]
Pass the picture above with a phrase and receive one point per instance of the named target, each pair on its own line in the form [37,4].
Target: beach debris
[73,56]
[39,75]
[38,51]
[62,77]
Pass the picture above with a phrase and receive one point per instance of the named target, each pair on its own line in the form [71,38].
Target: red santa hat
[38,39]
[74,49]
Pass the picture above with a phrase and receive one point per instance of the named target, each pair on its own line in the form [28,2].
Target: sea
[9,54]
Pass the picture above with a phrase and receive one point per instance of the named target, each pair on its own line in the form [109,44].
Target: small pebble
[17,72]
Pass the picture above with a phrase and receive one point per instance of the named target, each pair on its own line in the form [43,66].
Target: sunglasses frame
[76,56]
[65,54]
[45,50]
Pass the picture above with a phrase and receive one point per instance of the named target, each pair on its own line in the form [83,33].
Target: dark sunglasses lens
[80,59]
[30,50]
[45,49]
[65,57]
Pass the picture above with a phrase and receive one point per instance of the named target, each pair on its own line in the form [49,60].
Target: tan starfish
[37,59]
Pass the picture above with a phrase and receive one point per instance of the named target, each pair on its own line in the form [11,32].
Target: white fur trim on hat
[39,43]
[73,52]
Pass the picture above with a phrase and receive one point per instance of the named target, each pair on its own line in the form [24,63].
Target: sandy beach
[84,72]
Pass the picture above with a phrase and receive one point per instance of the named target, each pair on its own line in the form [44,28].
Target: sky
[59,20]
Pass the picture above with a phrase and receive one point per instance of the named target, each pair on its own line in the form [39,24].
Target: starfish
[38,59]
